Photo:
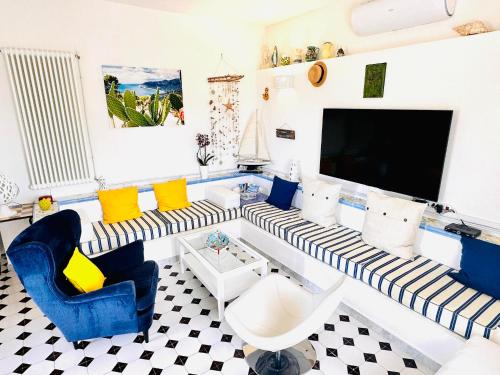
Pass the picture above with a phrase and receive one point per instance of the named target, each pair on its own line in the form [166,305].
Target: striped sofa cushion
[155,224]
[270,218]
[420,284]
[200,214]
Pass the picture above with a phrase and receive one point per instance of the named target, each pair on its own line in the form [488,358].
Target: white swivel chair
[275,317]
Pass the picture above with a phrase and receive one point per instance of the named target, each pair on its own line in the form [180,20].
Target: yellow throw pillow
[171,195]
[83,274]
[119,204]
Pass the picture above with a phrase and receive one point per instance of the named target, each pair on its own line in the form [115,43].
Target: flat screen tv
[402,151]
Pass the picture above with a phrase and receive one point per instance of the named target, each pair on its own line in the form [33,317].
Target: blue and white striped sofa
[155,224]
[421,284]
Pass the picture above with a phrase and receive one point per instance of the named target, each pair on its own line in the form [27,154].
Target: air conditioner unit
[378,16]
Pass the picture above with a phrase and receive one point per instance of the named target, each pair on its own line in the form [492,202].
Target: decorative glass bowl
[217,241]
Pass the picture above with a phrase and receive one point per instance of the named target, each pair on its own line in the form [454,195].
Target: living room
[345,152]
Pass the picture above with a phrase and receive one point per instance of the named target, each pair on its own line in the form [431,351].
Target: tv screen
[402,151]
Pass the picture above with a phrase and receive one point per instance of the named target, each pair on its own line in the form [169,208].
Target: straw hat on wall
[317,73]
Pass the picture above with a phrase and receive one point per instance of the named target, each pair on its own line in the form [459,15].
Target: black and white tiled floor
[185,338]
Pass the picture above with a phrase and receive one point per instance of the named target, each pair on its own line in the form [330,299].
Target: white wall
[109,33]
[332,23]
[460,74]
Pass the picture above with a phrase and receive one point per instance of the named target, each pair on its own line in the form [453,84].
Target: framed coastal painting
[143,97]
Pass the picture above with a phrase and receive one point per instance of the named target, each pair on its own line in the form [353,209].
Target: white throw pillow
[478,356]
[87,228]
[319,202]
[391,224]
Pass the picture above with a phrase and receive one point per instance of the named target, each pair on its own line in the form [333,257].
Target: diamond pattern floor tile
[185,338]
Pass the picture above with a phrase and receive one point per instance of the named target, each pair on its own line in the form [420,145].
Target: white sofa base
[166,247]
[430,339]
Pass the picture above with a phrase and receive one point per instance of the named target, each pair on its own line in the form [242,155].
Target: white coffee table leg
[220,299]
[220,306]
[181,257]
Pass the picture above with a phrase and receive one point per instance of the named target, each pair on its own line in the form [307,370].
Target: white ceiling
[254,11]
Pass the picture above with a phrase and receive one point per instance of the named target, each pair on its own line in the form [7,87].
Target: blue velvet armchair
[126,302]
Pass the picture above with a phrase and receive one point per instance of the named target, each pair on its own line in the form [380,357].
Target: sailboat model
[253,153]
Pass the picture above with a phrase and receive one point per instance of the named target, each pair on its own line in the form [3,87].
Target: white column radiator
[48,97]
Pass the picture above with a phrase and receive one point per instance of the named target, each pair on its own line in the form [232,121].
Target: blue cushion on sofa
[479,266]
[282,193]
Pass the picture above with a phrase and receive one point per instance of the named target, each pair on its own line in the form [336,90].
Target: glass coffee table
[227,273]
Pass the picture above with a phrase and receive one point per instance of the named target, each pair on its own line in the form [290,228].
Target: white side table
[225,275]
[11,226]
[39,214]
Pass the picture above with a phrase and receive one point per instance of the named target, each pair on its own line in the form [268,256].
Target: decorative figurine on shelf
[312,53]
[340,52]
[472,28]
[297,58]
[285,60]
[327,50]
[265,95]
[274,57]
[217,241]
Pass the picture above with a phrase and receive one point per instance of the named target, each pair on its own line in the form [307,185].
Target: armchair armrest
[121,259]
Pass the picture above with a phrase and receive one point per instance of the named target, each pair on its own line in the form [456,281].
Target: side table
[11,226]
[39,214]
[23,211]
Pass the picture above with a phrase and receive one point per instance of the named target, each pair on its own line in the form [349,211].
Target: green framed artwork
[375,80]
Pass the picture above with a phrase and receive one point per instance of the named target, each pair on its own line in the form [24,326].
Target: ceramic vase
[327,50]
[294,172]
[312,53]
[204,172]
[274,57]
[297,58]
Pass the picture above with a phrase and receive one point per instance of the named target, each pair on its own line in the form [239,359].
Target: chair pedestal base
[296,360]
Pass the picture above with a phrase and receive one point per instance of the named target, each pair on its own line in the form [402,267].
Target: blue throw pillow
[282,193]
[479,266]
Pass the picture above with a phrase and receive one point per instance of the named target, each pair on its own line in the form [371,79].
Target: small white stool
[275,317]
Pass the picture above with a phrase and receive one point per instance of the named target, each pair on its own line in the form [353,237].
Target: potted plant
[202,155]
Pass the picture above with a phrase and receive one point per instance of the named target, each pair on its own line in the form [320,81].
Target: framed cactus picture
[143,97]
